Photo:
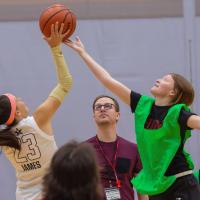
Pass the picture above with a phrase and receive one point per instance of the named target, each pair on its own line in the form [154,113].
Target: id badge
[112,193]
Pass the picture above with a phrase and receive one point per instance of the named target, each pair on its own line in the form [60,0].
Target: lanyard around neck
[112,164]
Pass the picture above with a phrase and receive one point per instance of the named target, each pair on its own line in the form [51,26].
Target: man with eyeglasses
[118,158]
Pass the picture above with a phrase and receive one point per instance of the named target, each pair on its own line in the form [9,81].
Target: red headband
[12,100]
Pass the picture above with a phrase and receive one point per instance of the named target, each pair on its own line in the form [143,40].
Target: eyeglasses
[106,106]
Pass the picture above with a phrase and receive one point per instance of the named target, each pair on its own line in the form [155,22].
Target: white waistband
[184,173]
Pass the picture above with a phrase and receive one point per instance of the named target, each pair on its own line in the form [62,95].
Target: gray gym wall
[135,51]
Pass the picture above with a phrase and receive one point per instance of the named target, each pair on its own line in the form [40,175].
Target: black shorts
[184,188]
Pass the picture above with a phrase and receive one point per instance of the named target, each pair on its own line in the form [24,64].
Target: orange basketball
[57,13]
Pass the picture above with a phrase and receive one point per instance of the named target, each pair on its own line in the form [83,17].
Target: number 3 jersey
[37,149]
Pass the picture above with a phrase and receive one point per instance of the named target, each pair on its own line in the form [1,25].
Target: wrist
[56,48]
[82,53]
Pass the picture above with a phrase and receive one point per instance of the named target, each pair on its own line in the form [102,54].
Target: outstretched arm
[46,110]
[101,74]
[194,122]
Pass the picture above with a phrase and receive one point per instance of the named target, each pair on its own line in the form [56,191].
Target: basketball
[57,13]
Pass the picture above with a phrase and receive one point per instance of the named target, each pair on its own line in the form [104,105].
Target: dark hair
[117,108]
[73,174]
[184,90]
[5,109]
[7,138]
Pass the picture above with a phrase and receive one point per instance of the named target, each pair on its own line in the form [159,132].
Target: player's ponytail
[8,138]
[184,90]
[7,121]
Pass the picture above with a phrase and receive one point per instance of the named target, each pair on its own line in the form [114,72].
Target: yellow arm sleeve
[63,75]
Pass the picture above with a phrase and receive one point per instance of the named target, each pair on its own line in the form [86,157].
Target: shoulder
[28,121]
[91,140]
[135,95]
[134,99]
[186,112]
[181,110]
[184,116]
[127,144]
[129,150]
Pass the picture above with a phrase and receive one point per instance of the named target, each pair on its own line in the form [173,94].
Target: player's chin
[103,121]
[153,90]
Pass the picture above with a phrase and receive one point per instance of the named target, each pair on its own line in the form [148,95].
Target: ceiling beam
[26,10]
[197,7]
